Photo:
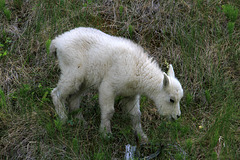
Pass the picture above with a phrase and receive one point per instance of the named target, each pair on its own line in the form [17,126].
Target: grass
[200,38]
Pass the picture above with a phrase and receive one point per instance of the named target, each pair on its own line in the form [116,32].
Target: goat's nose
[178,116]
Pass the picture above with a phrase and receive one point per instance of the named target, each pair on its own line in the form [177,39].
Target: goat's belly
[93,82]
[93,78]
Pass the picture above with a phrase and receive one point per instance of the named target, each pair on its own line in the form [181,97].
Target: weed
[231,12]
[230,27]
[207,95]
[95,97]
[89,2]
[58,124]
[62,2]
[2,4]
[179,156]
[75,145]
[189,99]
[3,103]
[4,45]
[3,54]
[189,144]
[99,155]
[199,3]
[44,98]
[214,155]
[48,43]
[121,10]
[130,30]
[143,100]
[18,3]
[125,132]
[50,129]
[7,13]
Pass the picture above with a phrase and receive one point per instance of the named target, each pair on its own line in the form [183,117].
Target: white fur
[115,66]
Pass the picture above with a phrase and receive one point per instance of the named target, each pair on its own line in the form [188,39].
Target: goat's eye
[171,100]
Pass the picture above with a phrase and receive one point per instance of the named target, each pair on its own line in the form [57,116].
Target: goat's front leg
[132,107]
[106,101]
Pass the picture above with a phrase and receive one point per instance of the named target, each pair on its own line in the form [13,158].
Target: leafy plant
[75,144]
[231,12]
[4,45]
[207,95]
[7,13]
[3,103]
[130,30]
[62,2]
[189,144]
[18,4]
[120,10]
[199,2]
[214,155]
[230,27]
[189,99]
[3,54]
[2,4]
[99,155]
[58,124]
[89,2]
[179,156]
[50,129]
[143,100]
[48,43]
[44,98]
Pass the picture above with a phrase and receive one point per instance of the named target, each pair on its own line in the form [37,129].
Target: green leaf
[44,98]
[48,43]
[5,53]
[231,12]
[7,13]
[130,30]
[2,4]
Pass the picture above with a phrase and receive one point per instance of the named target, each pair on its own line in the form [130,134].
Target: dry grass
[192,35]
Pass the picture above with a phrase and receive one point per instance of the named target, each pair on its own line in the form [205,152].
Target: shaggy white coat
[115,66]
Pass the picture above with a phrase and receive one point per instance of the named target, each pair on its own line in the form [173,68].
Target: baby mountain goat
[89,58]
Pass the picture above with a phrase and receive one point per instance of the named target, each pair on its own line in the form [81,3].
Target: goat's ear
[165,80]
[171,71]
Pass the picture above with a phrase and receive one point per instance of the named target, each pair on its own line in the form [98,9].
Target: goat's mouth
[174,118]
[171,119]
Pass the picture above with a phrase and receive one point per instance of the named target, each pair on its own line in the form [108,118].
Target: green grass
[200,39]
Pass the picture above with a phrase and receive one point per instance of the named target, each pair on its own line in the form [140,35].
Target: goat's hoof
[106,135]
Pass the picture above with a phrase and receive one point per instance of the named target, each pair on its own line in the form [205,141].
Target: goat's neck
[150,78]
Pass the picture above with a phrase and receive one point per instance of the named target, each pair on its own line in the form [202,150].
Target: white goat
[115,66]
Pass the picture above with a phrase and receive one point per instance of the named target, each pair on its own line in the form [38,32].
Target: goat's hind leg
[59,104]
[74,106]
[67,85]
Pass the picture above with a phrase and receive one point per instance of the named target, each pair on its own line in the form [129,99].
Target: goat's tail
[53,49]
